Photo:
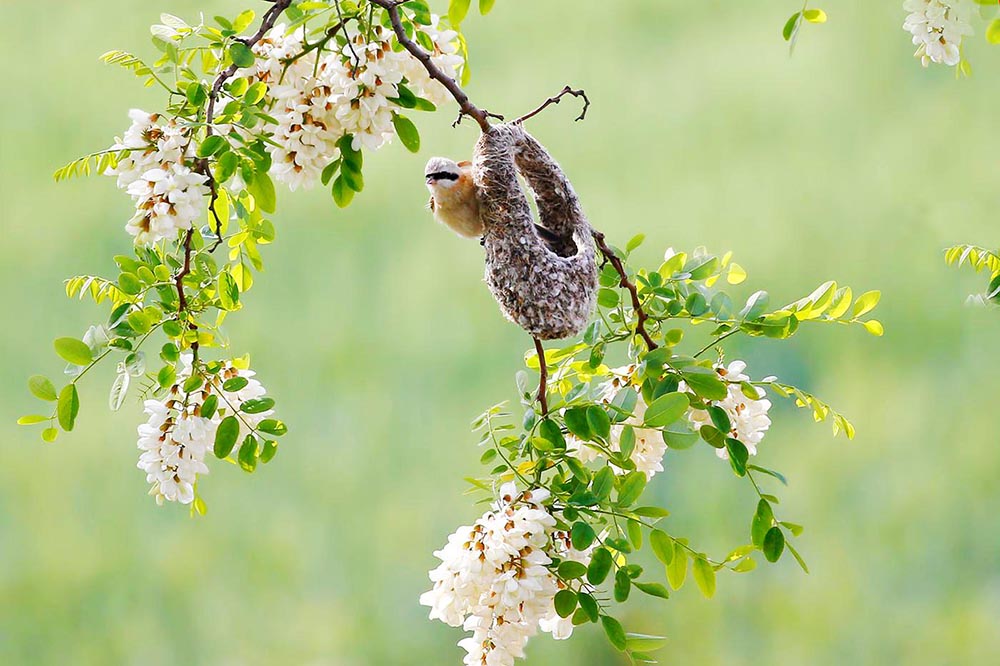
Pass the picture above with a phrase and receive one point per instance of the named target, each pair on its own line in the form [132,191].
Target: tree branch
[640,314]
[543,377]
[555,99]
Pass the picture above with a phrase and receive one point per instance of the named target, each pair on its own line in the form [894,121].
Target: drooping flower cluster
[649,445]
[176,437]
[937,27]
[323,95]
[156,172]
[747,416]
[493,579]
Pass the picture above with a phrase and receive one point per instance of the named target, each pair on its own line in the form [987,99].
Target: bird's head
[441,173]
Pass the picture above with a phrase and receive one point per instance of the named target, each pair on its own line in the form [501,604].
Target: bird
[455,203]
[453,196]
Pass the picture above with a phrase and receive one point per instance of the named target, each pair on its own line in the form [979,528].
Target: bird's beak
[430,180]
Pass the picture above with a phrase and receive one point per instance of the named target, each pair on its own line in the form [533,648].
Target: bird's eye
[442,175]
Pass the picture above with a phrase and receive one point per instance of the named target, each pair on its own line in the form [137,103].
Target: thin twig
[555,99]
[543,377]
[640,314]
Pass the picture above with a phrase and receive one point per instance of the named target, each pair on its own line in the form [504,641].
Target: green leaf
[993,32]
[631,488]
[485,6]
[600,566]
[196,93]
[578,424]
[865,303]
[74,351]
[774,544]
[623,585]
[677,569]
[42,388]
[235,384]
[342,193]
[229,291]
[814,15]
[50,434]
[211,145]
[761,523]
[129,283]
[571,570]
[790,26]
[257,405]
[651,512]
[589,606]
[247,456]
[32,419]
[581,535]
[738,456]
[704,576]
[663,546]
[615,632]
[666,409]
[549,430]
[457,10]
[407,131]
[262,189]
[270,450]
[706,383]
[272,427]
[608,298]
[225,436]
[68,407]
[599,421]
[565,602]
[209,407]
[241,54]
[798,558]
[653,590]
[603,484]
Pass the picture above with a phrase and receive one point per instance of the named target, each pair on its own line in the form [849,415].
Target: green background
[374,331]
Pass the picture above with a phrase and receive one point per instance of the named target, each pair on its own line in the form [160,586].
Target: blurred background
[375,333]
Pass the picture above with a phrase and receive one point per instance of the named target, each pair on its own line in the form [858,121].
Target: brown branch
[555,99]
[467,108]
[640,314]
[202,167]
[543,377]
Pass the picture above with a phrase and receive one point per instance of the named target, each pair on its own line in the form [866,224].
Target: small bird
[453,196]
[455,203]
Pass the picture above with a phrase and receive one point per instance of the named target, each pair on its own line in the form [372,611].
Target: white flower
[748,417]
[649,444]
[493,578]
[937,27]
[173,442]
[167,201]
[176,439]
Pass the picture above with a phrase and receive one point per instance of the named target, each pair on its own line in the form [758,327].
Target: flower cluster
[649,445]
[168,194]
[320,96]
[937,27]
[493,579]
[747,416]
[182,427]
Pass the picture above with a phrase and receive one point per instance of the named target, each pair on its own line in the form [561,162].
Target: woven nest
[544,276]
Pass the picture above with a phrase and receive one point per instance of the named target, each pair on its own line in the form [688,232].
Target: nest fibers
[544,276]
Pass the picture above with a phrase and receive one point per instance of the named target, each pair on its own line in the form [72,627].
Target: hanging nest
[543,276]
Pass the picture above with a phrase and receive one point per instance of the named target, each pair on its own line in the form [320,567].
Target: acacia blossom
[747,416]
[937,27]
[493,579]
[349,88]
[649,449]
[156,172]
[176,438]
